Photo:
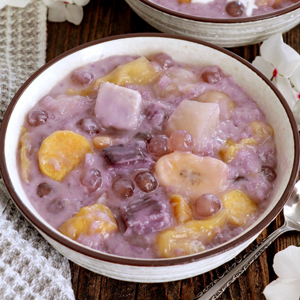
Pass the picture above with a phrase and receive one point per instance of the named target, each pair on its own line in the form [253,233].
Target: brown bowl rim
[174,13]
[52,233]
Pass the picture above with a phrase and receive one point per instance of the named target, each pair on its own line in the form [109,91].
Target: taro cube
[118,107]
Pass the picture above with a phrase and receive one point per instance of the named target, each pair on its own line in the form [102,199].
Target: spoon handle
[216,288]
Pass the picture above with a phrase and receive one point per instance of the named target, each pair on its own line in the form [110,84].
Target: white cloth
[29,267]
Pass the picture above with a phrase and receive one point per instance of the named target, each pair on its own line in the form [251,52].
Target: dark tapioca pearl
[89,125]
[164,60]
[269,173]
[123,188]
[181,140]
[212,75]
[56,205]
[37,117]
[235,9]
[159,145]
[82,77]
[92,179]
[43,189]
[146,181]
[206,206]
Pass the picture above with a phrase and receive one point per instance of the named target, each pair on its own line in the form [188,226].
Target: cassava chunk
[200,120]
[61,152]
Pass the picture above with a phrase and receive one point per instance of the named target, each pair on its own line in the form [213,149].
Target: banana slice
[191,175]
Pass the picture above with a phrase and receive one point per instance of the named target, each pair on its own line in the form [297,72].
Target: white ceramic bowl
[221,32]
[184,50]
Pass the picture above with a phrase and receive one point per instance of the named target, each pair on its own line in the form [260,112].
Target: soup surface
[225,8]
[148,157]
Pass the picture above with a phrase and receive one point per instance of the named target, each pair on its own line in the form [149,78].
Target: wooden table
[106,18]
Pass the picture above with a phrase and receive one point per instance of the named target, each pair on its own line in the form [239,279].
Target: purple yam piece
[123,153]
[128,167]
[147,215]
[155,114]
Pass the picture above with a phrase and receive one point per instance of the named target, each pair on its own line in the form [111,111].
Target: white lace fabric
[29,267]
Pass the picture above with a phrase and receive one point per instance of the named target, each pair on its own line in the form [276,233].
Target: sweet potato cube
[239,206]
[61,152]
[92,219]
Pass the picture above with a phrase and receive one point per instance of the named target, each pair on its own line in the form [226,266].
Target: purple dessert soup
[148,157]
[225,8]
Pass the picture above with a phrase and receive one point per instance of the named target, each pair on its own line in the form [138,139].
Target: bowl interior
[184,50]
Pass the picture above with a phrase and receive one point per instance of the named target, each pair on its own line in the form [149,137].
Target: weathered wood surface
[105,18]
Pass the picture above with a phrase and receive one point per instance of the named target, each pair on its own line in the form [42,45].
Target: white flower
[281,64]
[16,3]
[287,268]
[71,10]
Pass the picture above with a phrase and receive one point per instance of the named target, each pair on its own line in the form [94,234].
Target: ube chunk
[123,153]
[118,107]
[147,215]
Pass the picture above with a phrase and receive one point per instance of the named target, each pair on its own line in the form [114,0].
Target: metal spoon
[291,213]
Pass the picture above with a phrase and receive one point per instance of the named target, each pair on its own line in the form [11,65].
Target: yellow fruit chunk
[191,175]
[182,209]
[190,237]
[25,162]
[230,149]
[184,1]
[61,152]
[223,100]
[92,219]
[138,71]
[101,142]
[240,207]
[261,130]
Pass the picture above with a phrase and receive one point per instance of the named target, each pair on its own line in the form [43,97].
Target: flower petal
[74,14]
[264,66]
[280,55]
[296,112]
[57,12]
[287,262]
[295,78]
[81,2]
[283,289]
[285,88]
